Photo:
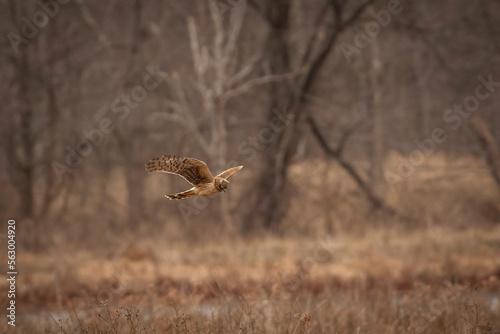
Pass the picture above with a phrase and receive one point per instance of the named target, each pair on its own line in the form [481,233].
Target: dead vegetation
[427,280]
[335,269]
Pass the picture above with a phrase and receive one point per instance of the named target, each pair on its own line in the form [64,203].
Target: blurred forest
[369,132]
[344,113]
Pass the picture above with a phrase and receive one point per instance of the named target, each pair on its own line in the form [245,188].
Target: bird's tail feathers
[182,195]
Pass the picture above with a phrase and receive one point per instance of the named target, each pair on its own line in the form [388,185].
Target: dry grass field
[334,270]
[431,280]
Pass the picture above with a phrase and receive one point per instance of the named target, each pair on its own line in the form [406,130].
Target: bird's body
[204,189]
[195,172]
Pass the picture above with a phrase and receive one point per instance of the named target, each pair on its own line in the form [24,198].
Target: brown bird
[195,172]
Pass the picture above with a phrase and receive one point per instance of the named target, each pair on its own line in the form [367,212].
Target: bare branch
[354,16]
[337,155]
[184,108]
[243,73]
[313,40]
[489,146]
[256,8]
[346,135]
[255,82]
[236,21]
[91,22]
[195,48]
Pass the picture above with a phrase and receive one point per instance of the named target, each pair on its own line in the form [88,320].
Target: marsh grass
[335,268]
[386,282]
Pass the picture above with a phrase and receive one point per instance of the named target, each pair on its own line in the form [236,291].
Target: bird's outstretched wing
[227,173]
[194,171]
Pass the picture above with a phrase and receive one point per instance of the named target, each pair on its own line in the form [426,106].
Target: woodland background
[350,117]
[223,76]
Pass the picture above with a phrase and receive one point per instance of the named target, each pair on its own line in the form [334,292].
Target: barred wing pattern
[194,171]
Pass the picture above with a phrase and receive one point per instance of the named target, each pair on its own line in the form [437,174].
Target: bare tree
[31,142]
[218,80]
[20,148]
[377,113]
[257,56]
[332,17]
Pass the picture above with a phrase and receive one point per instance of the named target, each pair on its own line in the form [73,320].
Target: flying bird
[195,172]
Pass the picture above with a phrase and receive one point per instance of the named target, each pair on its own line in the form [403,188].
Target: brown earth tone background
[369,131]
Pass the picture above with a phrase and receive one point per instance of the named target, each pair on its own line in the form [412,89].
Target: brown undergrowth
[336,267]
[425,281]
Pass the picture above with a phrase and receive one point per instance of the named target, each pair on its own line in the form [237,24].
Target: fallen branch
[336,153]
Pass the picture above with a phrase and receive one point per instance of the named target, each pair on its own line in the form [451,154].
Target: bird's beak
[225,190]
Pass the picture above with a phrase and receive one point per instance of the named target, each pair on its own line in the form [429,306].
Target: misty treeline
[92,90]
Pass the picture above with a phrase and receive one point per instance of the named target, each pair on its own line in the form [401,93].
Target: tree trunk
[134,151]
[266,206]
[21,148]
[377,158]
[421,112]
[270,201]
[489,145]
[26,138]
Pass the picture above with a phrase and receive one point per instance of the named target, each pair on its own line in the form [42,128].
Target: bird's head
[222,185]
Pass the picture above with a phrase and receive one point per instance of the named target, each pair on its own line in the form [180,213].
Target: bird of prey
[195,172]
